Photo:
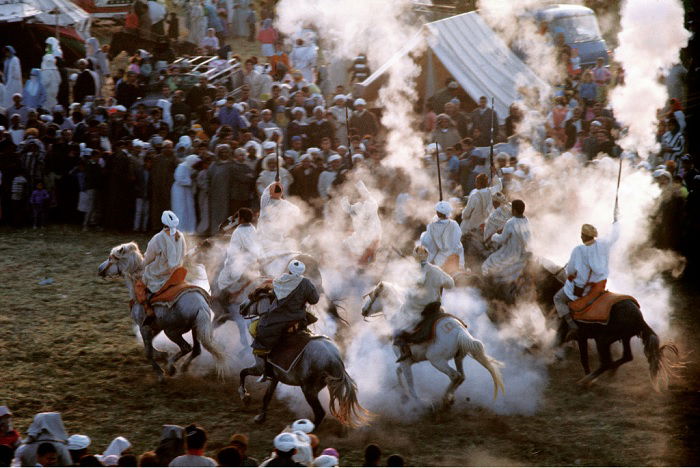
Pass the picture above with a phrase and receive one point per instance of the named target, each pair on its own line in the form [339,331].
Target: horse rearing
[191,312]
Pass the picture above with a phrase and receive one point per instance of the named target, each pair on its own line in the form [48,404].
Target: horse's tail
[475,348]
[661,365]
[343,403]
[204,329]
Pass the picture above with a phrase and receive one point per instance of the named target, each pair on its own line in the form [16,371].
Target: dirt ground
[69,347]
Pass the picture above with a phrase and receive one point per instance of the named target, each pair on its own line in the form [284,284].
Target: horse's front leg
[408,375]
[583,354]
[184,346]
[147,336]
[256,370]
[260,418]
[456,379]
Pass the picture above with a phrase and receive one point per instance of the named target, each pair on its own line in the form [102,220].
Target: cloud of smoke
[644,56]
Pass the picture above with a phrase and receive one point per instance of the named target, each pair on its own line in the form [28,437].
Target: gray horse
[319,366]
[190,312]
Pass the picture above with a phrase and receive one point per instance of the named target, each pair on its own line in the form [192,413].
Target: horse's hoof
[244,395]
[587,381]
[448,402]
[161,379]
[171,370]
[259,419]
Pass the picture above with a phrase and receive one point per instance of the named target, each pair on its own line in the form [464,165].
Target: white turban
[269,145]
[303,425]
[443,207]
[78,442]
[285,442]
[313,149]
[334,158]
[170,220]
[339,97]
[296,267]
[360,102]
[325,460]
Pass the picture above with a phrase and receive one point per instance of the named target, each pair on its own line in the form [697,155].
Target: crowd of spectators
[48,444]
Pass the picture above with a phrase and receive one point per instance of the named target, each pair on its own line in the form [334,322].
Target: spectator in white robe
[269,173]
[367,227]
[508,262]
[12,75]
[100,63]
[210,43]
[34,95]
[442,240]
[182,194]
[499,216]
[197,24]
[341,114]
[242,254]
[303,58]
[114,450]
[327,177]
[50,79]
[46,427]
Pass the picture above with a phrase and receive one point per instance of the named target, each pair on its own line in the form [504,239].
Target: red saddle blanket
[288,351]
[599,310]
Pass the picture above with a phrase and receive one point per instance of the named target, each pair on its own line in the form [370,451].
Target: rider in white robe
[426,290]
[479,207]
[442,238]
[498,217]
[12,74]
[242,255]
[508,262]
[51,79]
[366,224]
[278,219]
[165,252]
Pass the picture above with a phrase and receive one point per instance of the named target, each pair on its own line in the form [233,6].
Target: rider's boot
[267,370]
[404,347]
[573,327]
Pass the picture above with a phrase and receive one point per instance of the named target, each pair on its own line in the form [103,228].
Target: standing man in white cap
[165,254]
[327,177]
[285,448]
[78,446]
[586,273]
[476,212]
[442,239]
[363,121]
[277,221]
[292,293]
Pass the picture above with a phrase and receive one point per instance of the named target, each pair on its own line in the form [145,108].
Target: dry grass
[69,347]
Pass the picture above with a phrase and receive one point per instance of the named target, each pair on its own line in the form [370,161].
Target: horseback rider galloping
[587,272]
[292,293]
[423,298]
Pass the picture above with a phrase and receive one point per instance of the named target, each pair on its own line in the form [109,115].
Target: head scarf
[78,442]
[50,424]
[303,425]
[116,447]
[443,207]
[288,282]
[191,160]
[169,219]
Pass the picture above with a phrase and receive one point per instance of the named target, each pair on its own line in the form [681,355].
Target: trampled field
[69,347]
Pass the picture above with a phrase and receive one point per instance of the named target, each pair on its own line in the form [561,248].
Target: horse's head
[123,259]
[373,301]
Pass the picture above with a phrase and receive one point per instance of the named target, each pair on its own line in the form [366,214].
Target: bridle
[111,260]
[373,295]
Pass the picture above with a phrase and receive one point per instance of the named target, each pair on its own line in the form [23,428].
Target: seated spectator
[373,455]
[395,460]
[240,443]
[285,448]
[228,456]
[78,446]
[46,454]
[45,427]
[89,460]
[148,459]
[195,442]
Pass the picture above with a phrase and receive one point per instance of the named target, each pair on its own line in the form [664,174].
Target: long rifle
[277,156]
[347,129]
[437,161]
[617,191]
[493,116]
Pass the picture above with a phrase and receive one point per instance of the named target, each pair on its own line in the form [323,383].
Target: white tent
[473,54]
[12,11]
[64,13]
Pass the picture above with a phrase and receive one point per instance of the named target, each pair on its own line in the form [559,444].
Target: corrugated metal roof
[16,10]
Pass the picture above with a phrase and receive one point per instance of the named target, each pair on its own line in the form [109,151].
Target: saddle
[169,293]
[599,310]
[289,349]
[425,330]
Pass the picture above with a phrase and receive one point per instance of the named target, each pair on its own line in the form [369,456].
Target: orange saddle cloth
[171,290]
[599,310]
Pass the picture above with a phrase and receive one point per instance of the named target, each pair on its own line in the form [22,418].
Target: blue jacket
[230,116]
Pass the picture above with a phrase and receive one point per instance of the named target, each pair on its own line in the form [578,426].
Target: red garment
[268,36]
[9,438]
[132,21]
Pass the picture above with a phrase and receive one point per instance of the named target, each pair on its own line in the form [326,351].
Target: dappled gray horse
[191,312]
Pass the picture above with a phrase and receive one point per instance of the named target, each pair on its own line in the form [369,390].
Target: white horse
[191,312]
[452,341]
